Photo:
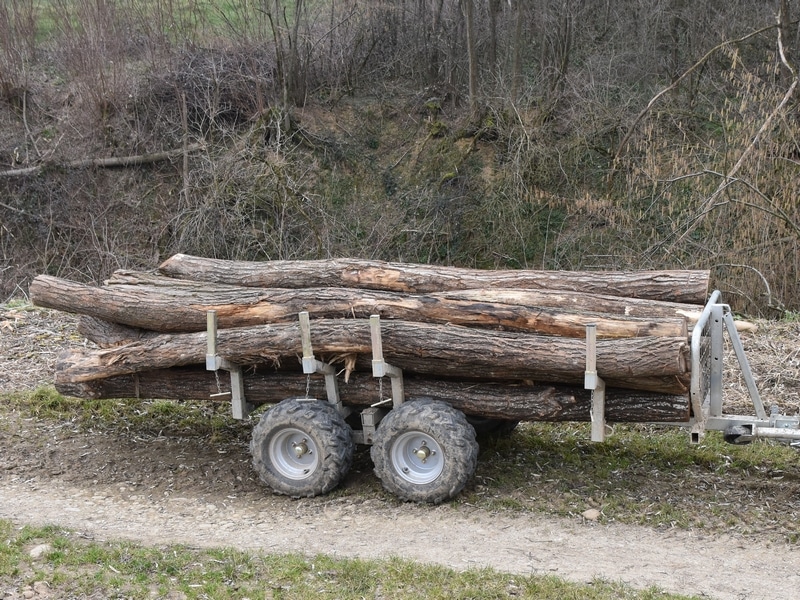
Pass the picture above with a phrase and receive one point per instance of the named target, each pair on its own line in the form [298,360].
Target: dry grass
[30,340]
[774,356]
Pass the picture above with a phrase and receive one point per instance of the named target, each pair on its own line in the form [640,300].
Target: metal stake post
[380,367]
[214,362]
[311,365]
[592,381]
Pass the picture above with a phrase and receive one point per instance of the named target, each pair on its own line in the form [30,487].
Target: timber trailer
[425,450]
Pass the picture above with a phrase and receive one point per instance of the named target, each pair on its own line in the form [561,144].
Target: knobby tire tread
[449,427]
[321,421]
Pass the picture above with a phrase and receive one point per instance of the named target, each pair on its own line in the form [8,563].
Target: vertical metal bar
[598,412]
[239,407]
[309,362]
[591,381]
[378,365]
[717,357]
[744,365]
[305,335]
[398,390]
[211,337]
[332,388]
[699,368]
[313,366]
[591,348]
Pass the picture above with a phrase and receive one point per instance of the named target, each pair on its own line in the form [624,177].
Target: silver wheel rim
[417,457]
[294,453]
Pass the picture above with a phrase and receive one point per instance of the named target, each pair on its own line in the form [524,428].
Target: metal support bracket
[370,417]
[312,366]
[380,367]
[591,381]
[744,365]
[240,408]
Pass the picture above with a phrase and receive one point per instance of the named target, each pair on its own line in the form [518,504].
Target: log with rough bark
[570,302]
[580,302]
[161,304]
[689,286]
[488,400]
[649,363]
[106,334]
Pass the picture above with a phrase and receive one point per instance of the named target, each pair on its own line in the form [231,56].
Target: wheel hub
[300,448]
[423,452]
[417,457]
[294,453]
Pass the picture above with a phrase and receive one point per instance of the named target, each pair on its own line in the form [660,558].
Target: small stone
[41,588]
[27,594]
[40,550]
[591,514]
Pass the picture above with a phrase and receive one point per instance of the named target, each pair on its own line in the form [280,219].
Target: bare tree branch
[624,142]
[114,161]
[710,202]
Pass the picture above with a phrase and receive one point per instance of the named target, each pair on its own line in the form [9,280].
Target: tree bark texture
[154,304]
[648,363]
[561,299]
[488,400]
[672,286]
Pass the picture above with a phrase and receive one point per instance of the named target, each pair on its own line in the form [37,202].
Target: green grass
[145,417]
[641,475]
[73,566]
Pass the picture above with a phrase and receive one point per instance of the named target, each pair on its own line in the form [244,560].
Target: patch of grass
[75,566]
[641,475]
[145,417]
[790,316]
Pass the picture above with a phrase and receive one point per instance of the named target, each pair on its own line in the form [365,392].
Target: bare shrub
[248,201]
[722,197]
[226,86]
[17,49]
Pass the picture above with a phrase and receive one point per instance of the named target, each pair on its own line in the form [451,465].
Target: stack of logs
[495,344]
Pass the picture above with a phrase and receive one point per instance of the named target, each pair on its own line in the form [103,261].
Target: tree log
[487,400]
[567,301]
[580,302]
[107,334]
[166,308]
[654,364]
[674,286]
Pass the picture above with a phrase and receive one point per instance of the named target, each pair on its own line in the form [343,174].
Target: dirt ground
[159,489]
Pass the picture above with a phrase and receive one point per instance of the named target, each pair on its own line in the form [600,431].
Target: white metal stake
[592,381]
[214,362]
[380,367]
[311,365]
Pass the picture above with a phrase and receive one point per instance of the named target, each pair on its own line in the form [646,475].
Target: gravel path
[723,568]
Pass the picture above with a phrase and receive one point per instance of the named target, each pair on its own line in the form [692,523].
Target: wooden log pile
[496,344]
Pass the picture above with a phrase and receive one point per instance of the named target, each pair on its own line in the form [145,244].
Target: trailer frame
[706,390]
[706,393]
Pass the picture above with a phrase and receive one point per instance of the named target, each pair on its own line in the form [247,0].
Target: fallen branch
[114,161]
